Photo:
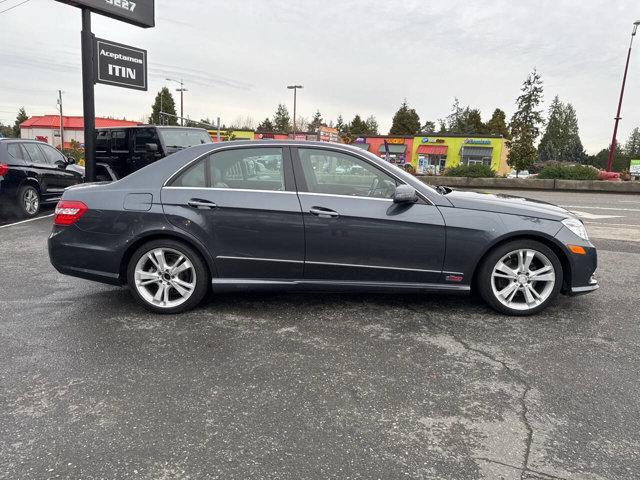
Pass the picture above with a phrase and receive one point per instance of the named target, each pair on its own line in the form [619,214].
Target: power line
[16,5]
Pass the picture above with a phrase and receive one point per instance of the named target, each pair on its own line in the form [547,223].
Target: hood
[509,204]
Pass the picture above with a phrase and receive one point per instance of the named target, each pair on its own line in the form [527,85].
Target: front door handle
[198,203]
[324,212]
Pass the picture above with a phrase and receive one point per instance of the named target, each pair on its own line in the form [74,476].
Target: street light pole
[61,122]
[612,149]
[181,90]
[295,90]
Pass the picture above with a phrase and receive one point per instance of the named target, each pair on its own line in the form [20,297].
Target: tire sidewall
[486,269]
[201,272]
[22,211]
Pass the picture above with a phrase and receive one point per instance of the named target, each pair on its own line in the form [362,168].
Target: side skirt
[248,284]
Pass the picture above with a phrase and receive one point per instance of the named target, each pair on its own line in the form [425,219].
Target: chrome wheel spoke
[182,287]
[509,291]
[160,293]
[508,271]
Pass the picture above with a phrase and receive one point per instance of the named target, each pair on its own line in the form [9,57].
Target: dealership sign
[473,141]
[138,12]
[634,167]
[120,65]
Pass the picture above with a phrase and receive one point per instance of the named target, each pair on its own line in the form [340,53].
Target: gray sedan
[313,216]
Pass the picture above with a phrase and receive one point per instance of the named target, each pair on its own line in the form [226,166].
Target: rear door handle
[198,203]
[324,212]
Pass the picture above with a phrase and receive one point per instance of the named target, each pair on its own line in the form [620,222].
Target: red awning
[432,149]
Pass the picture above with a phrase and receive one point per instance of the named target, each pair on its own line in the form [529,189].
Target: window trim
[43,149]
[126,137]
[31,160]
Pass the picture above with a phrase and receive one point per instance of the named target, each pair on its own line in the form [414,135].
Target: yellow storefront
[432,154]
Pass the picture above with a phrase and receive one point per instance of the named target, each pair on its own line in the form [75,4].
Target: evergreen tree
[600,159]
[464,120]
[21,117]
[561,139]
[316,122]
[164,98]
[358,126]
[632,147]
[497,124]
[340,125]
[429,127]
[265,127]
[525,124]
[405,121]
[372,125]
[281,120]
[6,131]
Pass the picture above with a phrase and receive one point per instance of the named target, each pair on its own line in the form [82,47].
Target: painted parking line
[26,221]
[603,208]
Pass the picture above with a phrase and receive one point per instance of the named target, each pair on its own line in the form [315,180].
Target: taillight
[68,211]
[4,168]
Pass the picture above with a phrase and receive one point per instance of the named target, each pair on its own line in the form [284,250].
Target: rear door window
[119,141]
[35,154]
[248,169]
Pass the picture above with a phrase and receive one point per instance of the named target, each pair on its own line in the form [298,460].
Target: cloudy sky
[352,56]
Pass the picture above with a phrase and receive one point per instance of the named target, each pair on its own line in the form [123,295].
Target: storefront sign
[472,141]
[432,140]
[138,12]
[395,141]
[328,134]
[264,136]
[120,65]
[634,167]
[360,140]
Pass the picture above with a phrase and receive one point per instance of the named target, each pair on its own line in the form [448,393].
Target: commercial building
[46,128]
[431,154]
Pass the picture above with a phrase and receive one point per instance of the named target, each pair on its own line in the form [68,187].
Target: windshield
[184,137]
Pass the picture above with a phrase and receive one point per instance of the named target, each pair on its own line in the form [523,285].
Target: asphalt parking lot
[320,386]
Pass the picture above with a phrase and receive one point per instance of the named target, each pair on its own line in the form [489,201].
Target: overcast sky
[236,58]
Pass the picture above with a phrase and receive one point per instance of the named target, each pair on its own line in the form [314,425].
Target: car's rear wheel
[28,201]
[520,277]
[167,276]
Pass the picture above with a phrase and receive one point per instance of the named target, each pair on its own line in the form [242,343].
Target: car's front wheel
[520,277]
[167,276]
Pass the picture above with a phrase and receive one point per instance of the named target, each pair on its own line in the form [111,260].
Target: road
[320,386]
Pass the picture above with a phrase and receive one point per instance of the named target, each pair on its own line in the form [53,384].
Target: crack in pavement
[515,467]
[515,376]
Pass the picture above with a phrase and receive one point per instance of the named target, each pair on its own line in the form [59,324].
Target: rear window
[15,151]
[183,137]
[144,136]
[102,140]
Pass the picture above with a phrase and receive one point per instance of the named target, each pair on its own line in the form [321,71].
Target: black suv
[33,173]
[123,150]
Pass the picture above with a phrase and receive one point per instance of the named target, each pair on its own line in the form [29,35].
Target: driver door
[354,231]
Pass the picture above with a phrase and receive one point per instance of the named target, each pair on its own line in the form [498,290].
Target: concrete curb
[534,184]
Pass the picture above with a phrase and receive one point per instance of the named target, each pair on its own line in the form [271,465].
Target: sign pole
[88,98]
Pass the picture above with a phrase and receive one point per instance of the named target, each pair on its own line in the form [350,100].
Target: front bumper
[581,275]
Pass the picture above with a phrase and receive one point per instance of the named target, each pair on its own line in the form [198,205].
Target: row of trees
[14,130]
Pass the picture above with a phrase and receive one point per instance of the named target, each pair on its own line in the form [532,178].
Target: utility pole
[218,129]
[61,121]
[612,149]
[88,98]
[295,89]
[181,90]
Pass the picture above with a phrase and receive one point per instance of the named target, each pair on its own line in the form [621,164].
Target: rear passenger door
[242,204]
[141,157]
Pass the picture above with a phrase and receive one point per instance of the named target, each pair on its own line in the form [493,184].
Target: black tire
[202,277]
[484,278]
[28,201]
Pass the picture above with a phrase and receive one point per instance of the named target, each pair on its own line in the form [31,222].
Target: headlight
[576,226]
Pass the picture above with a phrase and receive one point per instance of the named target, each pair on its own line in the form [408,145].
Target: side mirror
[61,164]
[71,160]
[405,194]
[151,147]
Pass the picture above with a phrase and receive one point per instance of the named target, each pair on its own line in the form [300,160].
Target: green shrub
[569,172]
[476,171]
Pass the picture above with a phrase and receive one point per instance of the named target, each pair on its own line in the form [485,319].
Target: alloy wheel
[31,201]
[165,277]
[523,279]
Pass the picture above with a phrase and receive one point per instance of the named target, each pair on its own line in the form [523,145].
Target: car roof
[160,127]
[30,140]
